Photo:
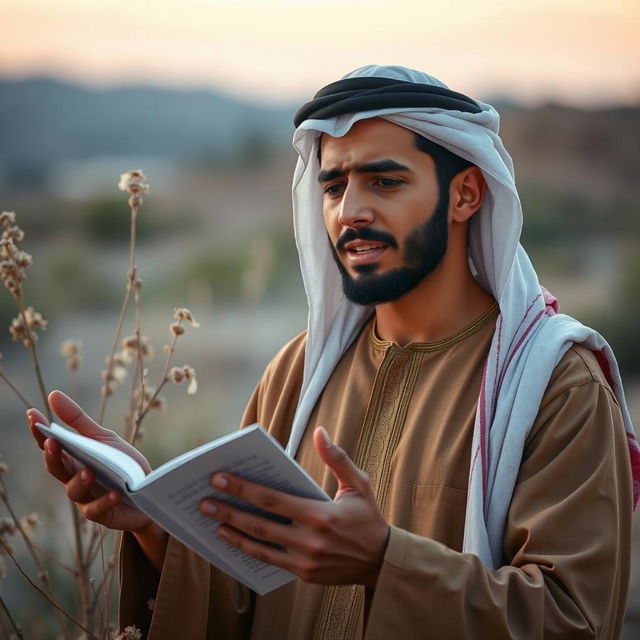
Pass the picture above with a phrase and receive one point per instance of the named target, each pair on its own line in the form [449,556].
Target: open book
[170,494]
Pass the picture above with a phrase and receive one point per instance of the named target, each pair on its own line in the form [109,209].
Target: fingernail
[84,475]
[113,496]
[220,481]
[325,437]
[208,507]
[223,533]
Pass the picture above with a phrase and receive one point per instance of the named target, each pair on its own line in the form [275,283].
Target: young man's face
[386,220]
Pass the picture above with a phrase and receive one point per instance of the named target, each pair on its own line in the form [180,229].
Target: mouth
[360,252]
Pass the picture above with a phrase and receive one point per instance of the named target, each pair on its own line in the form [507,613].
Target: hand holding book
[94,501]
[170,495]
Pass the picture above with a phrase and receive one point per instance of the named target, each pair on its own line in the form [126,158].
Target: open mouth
[363,251]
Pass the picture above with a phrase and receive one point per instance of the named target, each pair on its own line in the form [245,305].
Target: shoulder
[577,367]
[577,399]
[289,357]
[285,370]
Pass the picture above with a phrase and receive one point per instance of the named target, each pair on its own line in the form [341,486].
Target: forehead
[366,140]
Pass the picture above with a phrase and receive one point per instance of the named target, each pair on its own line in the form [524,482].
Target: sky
[582,52]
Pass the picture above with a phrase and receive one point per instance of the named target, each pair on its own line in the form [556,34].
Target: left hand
[338,542]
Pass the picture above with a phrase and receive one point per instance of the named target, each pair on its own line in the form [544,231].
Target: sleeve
[566,544]
[189,594]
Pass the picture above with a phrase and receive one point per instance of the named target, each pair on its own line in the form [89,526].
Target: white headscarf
[513,383]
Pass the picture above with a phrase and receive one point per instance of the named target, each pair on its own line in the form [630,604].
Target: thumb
[346,472]
[72,414]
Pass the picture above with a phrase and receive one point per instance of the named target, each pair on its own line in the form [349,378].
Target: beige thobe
[405,415]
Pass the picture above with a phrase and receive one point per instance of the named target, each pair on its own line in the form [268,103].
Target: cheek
[331,225]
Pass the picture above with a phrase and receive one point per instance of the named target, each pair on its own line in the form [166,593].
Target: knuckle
[261,555]
[267,501]
[323,520]
[316,548]
[340,454]
[258,530]
[307,570]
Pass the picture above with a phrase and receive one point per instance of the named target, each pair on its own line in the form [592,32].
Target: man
[496,499]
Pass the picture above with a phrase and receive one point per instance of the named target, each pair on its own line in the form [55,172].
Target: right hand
[94,503]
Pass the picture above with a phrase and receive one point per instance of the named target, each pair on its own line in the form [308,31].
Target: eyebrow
[377,166]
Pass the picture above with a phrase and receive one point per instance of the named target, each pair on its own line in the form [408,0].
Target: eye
[388,182]
[333,189]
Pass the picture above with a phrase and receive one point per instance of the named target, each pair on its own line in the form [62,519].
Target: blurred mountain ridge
[44,121]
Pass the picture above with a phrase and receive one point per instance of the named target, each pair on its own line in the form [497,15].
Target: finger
[98,510]
[54,462]
[265,498]
[72,414]
[81,487]
[348,475]
[256,549]
[34,416]
[253,525]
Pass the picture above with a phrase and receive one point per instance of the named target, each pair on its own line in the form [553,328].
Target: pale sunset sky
[577,51]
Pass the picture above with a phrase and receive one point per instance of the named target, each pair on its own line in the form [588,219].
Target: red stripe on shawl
[634,449]
[483,431]
[522,338]
[604,365]
[519,343]
[634,455]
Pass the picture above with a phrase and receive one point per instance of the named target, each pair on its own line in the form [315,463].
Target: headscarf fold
[530,337]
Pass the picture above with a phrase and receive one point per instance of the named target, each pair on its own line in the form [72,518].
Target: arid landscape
[215,236]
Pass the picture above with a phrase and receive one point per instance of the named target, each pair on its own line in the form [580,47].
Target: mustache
[366,233]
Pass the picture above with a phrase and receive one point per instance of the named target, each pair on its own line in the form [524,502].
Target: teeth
[366,247]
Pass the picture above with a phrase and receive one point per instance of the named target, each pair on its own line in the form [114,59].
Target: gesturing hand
[339,542]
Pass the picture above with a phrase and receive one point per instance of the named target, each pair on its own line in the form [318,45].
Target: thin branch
[44,594]
[15,389]
[34,356]
[52,558]
[114,346]
[42,573]
[14,624]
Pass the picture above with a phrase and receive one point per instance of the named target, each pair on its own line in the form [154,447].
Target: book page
[173,500]
[114,469]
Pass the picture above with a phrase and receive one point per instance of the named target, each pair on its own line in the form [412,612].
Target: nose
[355,210]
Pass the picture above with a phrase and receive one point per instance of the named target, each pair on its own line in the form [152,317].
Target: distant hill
[44,121]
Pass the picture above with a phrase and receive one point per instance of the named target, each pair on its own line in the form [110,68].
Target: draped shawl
[530,336]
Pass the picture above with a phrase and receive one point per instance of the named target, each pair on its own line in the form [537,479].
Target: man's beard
[423,250]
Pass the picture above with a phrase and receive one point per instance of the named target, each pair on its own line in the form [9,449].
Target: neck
[444,303]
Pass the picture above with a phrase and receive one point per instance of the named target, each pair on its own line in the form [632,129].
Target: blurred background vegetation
[215,235]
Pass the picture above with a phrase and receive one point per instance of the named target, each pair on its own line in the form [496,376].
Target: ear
[467,193]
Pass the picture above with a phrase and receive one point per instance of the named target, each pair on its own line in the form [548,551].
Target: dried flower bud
[34,320]
[131,345]
[29,523]
[176,375]
[7,218]
[177,329]
[7,527]
[134,182]
[14,261]
[148,399]
[70,350]
[186,315]
[130,633]
[23,260]
[180,374]
[13,234]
